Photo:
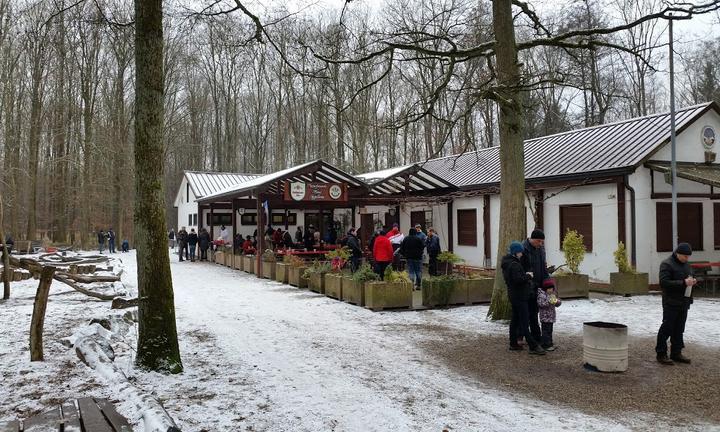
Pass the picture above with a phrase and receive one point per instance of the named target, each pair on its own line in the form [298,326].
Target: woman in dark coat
[204,243]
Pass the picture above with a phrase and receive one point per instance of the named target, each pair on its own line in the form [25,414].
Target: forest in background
[233,104]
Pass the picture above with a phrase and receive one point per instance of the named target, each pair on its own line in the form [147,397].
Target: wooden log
[123,303]
[38,316]
[87,292]
[90,278]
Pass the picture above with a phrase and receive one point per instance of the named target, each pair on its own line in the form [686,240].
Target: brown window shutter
[578,218]
[689,225]
[663,226]
[467,227]
[716,224]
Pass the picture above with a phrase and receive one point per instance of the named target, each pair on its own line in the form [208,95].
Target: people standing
[396,239]
[547,301]
[248,247]
[533,260]
[171,238]
[182,237]
[111,240]
[520,288]
[382,254]
[356,252]
[277,238]
[101,236]
[676,282]
[203,243]
[433,248]
[192,243]
[299,235]
[125,246]
[287,240]
[224,234]
[412,249]
[309,238]
[420,233]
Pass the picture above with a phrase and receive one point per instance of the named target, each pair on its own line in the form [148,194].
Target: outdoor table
[703,275]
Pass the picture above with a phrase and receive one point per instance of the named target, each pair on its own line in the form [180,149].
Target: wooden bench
[27,246]
[81,415]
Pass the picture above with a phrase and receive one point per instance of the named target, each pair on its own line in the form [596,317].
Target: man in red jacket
[382,253]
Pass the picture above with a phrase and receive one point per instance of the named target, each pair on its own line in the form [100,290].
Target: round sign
[335,192]
[297,191]
[708,136]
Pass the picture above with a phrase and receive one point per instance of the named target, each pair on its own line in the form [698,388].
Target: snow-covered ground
[263,356]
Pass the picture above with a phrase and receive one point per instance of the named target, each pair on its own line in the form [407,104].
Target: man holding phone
[676,282]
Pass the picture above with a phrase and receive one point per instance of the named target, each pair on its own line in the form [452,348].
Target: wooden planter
[353,291]
[479,290]
[229,258]
[444,292]
[219,257]
[238,262]
[572,285]
[317,283]
[295,276]
[628,284]
[249,263]
[333,285]
[388,295]
[281,272]
[268,269]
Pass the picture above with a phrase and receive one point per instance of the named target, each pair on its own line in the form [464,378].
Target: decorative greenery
[338,258]
[287,259]
[317,267]
[396,276]
[621,260]
[441,288]
[574,250]
[269,256]
[296,261]
[365,274]
[450,259]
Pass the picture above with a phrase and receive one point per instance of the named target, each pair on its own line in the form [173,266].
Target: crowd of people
[108,237]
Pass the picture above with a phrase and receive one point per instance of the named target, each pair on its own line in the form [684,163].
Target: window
[292,219]
[219,219]
[578,218]
[716,224]
[422,217]
[278,219]
[467,227]
[190,220]
[187,192]
[689,225]
[194,219]
[248,219]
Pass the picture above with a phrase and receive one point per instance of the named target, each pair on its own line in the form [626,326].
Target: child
[547,302]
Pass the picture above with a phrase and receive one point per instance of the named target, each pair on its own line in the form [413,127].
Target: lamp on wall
[241,210]
[391,211]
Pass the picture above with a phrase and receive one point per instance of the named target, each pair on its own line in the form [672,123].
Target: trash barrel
[605,346]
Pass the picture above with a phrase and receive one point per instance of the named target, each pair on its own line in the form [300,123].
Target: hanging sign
[315,192]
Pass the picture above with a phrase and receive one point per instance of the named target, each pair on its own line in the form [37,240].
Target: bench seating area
[81,415]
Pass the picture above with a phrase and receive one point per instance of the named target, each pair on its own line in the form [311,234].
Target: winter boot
[516,348]
[663,359]
[679,358]
[537,351]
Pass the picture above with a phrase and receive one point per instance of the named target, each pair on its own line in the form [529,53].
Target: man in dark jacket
[533,261]
[676,282]
[412,249]
[520,287]
[287,240]
[111,240]
[192,242]
[203,243]
[309,238]
[433,249]
[354,244]
[182,237]
[101,236]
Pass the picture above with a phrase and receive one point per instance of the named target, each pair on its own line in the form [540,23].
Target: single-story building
[607,182]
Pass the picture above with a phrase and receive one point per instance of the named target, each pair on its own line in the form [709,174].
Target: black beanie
[537,234]
[684,249]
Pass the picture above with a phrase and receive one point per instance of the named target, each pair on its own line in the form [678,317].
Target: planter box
[388,295]
[238,262]
[317,283]
[333,285]
[229,258]
[629,283]
[219,257]
[295,276]
[281,272]
[572,285]
[353,291]
[444,292]
[479,290]
[249,263]
[268,269]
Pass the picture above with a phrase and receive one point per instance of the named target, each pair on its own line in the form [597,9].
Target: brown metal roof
[599,150]
[208,183]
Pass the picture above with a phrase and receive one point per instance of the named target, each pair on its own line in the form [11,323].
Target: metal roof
[608,148]
[322,172]
[207,183]
[413,178]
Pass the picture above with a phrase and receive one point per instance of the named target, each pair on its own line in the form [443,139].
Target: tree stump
[38,316]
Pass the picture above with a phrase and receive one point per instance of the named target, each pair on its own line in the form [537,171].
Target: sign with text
[315,192]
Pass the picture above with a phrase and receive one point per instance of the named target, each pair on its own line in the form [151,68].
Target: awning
[697,172]
[409,178]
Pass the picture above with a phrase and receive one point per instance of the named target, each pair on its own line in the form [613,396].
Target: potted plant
[394,291]
[238,261]
[219,256]
[249,263]
[282,269]
[353,287]
[228,252]
[268,268]
[571,283]
[316,276]
[479,288]
[627,281]
[446,261]
[296,272]
[333,279]
[443,290]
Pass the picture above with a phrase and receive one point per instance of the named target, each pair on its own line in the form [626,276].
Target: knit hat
[537,234]
[548,283]
[515,247]
[684,249]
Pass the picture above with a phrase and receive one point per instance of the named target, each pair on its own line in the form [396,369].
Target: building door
[390,220]
[366,228]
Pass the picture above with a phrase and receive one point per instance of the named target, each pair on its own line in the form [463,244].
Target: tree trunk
[34,141]
[38,316]
[157,340]
[512,184]
[5,254]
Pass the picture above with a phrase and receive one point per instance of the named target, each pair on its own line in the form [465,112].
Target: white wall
[473,255]
[689,146]
[185,207]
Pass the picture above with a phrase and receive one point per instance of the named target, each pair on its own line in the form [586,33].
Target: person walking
[192,243]
[101,236]
[519,288]
[676,282]
[412,249]
[533,260]
[111,240]
[182,237]
[171,238]
[356,252]
[547,301]
[382,254]
[204,243]
[433,249]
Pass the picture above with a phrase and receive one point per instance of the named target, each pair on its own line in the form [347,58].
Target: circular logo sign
[297,191]
[335,192]
[708,136]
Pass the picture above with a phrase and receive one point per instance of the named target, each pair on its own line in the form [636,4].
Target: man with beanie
[533,261]
[356,252]
[676,282]
[520,287]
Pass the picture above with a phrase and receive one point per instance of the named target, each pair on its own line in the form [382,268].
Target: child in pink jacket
[547,301]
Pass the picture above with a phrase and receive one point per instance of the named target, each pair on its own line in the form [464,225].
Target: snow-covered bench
[81,415]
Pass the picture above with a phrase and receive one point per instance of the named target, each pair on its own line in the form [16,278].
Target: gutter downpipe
[633,231]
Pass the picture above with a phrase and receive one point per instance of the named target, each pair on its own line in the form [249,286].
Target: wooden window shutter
[689,225]
[578,218]
[716,224]
[467,227]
